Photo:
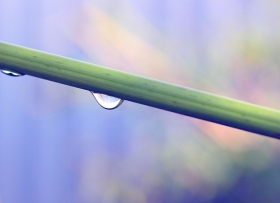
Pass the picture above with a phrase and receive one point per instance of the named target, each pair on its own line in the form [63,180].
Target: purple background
[58,145]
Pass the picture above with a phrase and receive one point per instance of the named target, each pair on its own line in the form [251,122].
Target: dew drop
[106,101]
[11,73]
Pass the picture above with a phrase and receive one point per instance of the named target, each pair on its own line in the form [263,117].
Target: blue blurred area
[58,145]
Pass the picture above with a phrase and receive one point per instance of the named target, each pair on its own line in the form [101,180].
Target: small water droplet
[106,101]
[11,73]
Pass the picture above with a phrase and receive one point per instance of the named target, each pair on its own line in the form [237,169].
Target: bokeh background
[58,145]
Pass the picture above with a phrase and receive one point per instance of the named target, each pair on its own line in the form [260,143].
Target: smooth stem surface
[141,90]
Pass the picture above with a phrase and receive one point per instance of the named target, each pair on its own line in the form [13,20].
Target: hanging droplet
[11,73]
[106,101]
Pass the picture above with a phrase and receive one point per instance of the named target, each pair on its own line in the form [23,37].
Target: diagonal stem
[150,92]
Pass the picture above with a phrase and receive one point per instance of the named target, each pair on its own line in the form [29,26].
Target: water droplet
[106,101]
[11,73]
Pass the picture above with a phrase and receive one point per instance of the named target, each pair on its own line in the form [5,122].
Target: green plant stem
[141,90]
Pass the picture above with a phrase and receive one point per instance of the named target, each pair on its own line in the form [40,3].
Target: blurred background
[58,145]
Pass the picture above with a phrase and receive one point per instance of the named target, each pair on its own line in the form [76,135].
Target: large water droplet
[106,101]
[11,73]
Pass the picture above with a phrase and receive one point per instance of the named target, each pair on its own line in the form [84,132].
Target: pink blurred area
[58,145]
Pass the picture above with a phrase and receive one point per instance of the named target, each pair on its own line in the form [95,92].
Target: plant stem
[141,90]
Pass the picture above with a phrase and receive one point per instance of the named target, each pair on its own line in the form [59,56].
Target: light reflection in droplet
[11,73]
[106,101]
